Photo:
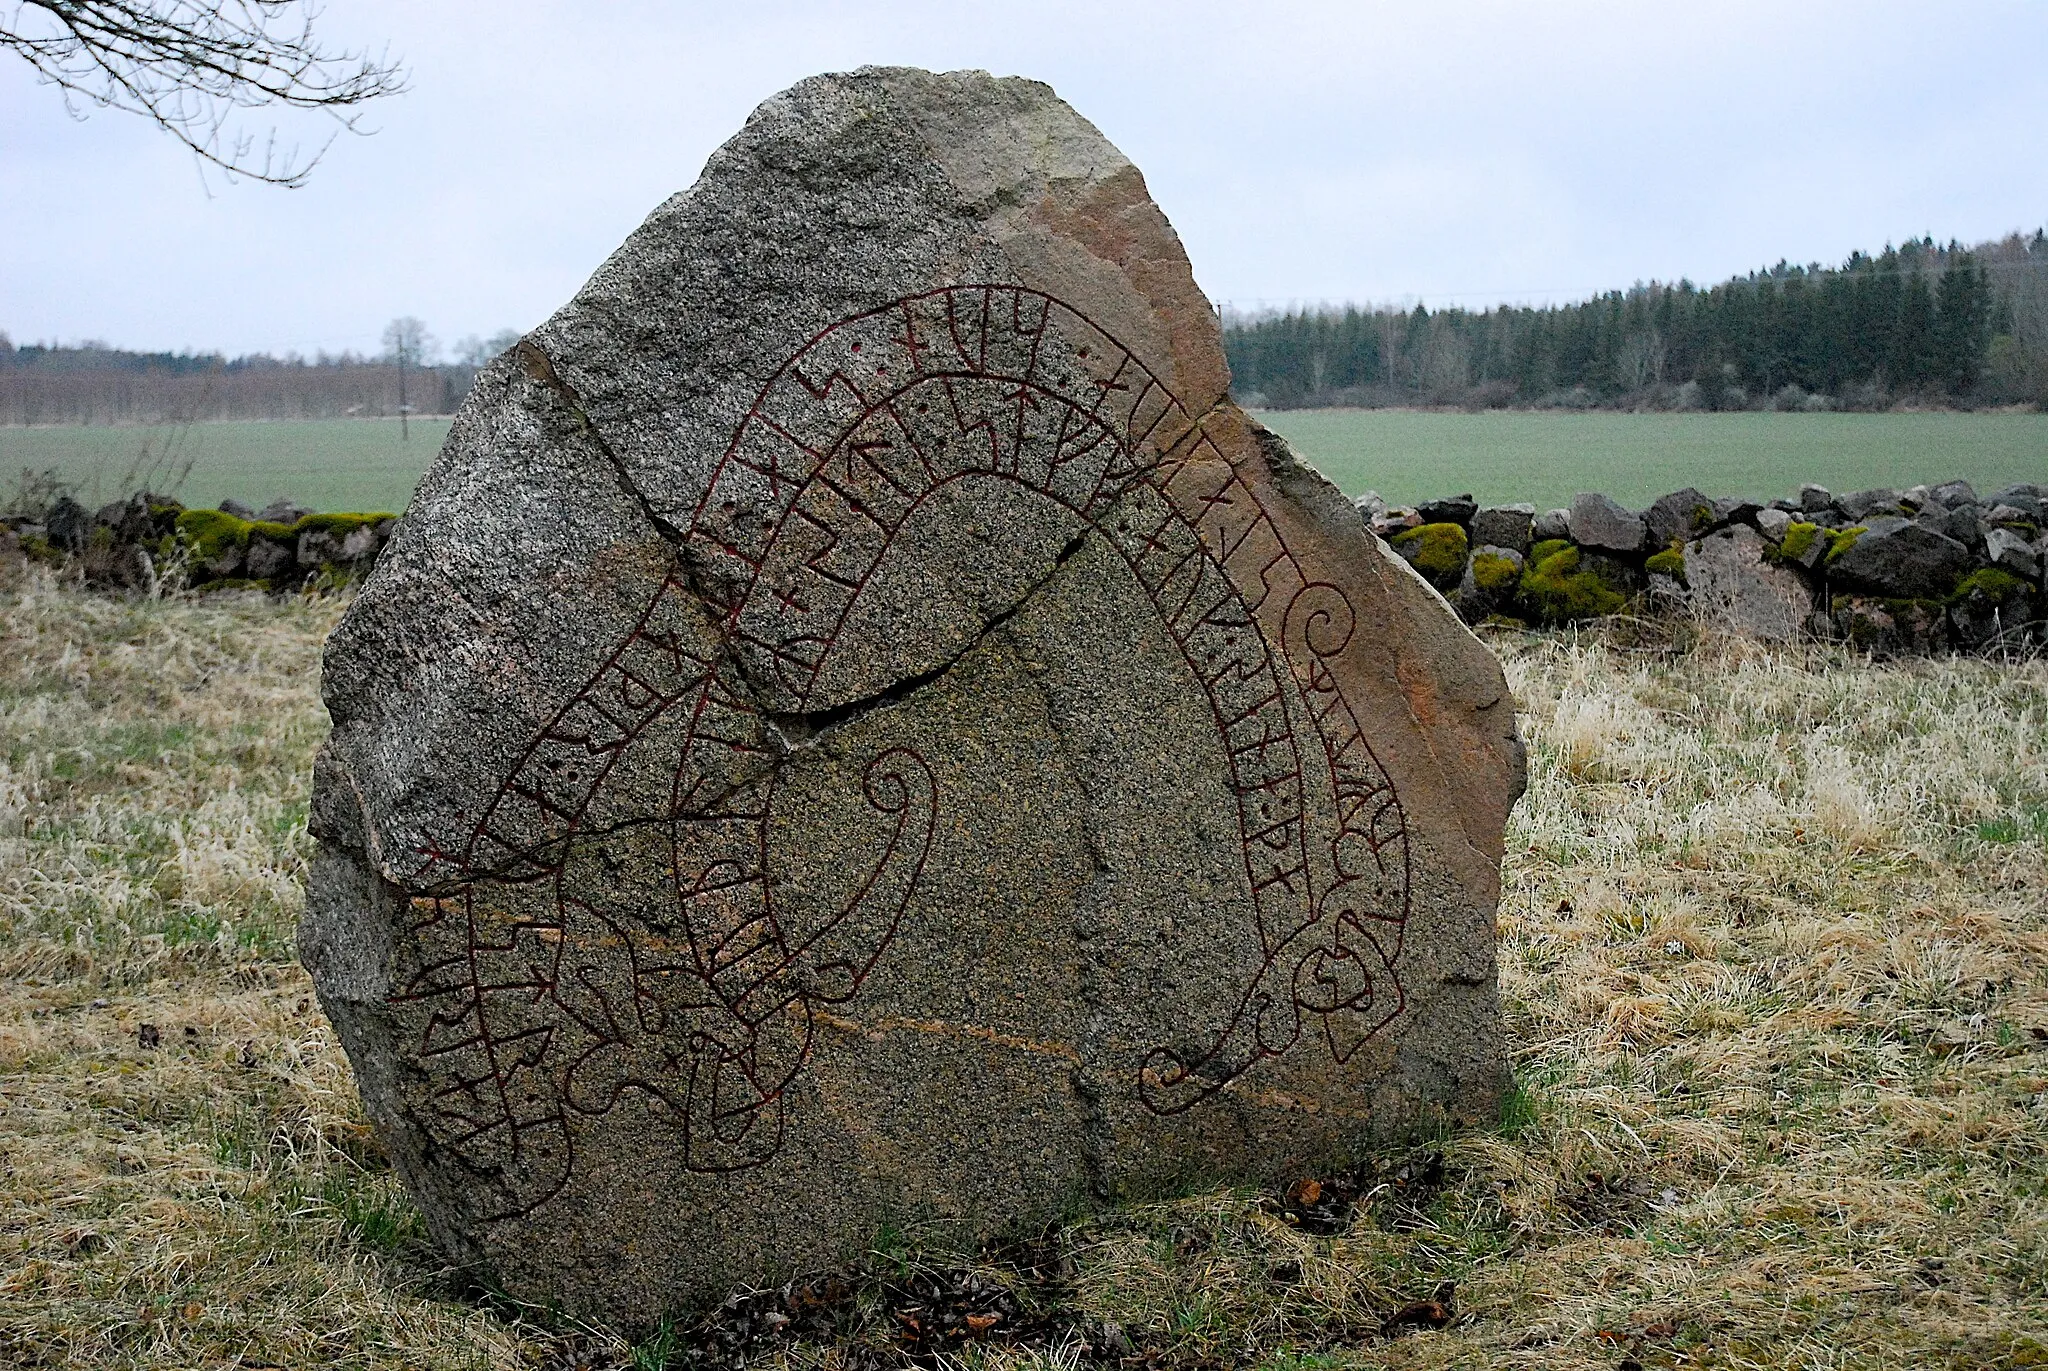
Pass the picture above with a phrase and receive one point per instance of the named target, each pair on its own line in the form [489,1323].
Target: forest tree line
[1916,323]
[93,383]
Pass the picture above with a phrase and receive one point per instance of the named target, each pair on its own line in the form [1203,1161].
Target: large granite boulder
[857,729]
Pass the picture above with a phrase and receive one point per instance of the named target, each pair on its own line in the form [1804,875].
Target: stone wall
[152,543]
[1888,571]
[1892,572]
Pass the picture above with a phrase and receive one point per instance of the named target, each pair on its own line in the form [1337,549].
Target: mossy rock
[1557,590]
[1840,541]
[1549,547]
[1494,573]
[1993,584]
[1798,542]
[1435,550]
[40,549]
[163,513]
[211,533]
[1670,562]
[340,525]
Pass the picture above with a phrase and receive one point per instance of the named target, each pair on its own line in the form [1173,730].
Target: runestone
[857,729]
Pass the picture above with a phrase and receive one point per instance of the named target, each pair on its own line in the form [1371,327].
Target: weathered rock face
[857,729]
[1680,515]
[1457,509]
[1598,522]
[1731,583]
[1900,558]
[1504,526]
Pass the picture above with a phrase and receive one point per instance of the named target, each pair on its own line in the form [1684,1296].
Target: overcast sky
[1457,152]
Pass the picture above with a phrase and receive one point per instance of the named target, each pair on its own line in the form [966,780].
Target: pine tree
[1963,324]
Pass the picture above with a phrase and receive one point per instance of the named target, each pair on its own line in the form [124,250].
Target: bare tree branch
[189,65]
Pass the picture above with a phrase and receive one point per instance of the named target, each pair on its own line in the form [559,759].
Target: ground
[1774,957]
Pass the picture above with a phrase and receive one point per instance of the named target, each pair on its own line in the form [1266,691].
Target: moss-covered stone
[1492,572]
[211,533]
[1557,590]
[1841,540]
[1549,547]
[1993,584]
[1798,542]
[1670,562]
[37,548]
[340,525]
[1435,550]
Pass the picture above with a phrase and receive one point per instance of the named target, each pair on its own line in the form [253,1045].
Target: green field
[1406,455]
[1410,455]
[329,464]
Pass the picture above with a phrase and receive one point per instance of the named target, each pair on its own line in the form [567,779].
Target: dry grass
[1774,951]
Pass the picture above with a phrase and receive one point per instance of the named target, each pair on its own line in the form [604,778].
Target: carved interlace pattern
[587,944]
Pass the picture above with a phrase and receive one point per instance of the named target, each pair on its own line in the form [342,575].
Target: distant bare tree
[1640,359]
[407,344]
[188,65]
[473,351]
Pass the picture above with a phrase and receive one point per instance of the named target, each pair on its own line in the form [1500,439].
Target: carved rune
[553,978]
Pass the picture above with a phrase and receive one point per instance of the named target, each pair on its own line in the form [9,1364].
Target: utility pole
[406,343]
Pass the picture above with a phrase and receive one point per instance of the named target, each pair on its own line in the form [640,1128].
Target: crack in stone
[800,731]
[1097,1134]
[540,369]
[793,733]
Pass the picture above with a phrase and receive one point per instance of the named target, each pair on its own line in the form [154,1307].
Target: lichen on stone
[1840,541]
[1798,541]
[340,525]
[1493,572]
[1670,562]
[1993,584]
[212,533]
[1435,550]
[1555,590]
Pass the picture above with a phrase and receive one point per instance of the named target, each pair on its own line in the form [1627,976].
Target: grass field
[1410,455]
[1406,455]
[1774,959]
[329,464]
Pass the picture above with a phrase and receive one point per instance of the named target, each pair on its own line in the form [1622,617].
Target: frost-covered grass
[1774,952]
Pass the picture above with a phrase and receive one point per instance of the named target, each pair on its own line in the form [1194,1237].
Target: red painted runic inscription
[554,979]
